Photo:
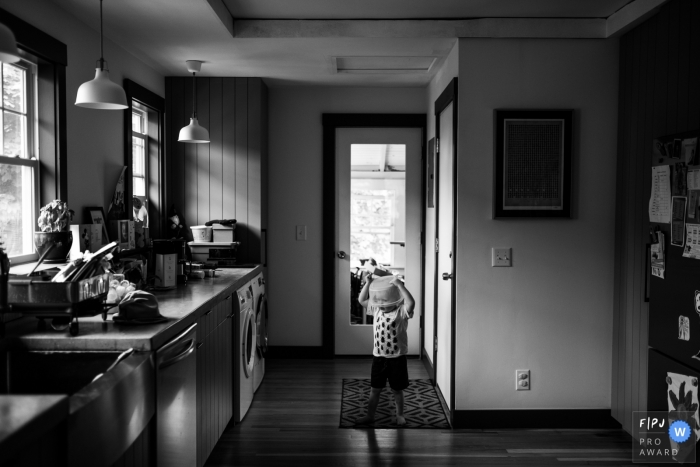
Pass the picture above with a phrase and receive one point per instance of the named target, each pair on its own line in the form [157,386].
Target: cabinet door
[201,357]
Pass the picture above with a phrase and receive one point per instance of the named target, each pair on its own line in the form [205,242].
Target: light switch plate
[301,233]
[522,380]
[501,257]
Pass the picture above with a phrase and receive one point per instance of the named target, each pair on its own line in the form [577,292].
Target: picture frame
[97,216]
[532,163]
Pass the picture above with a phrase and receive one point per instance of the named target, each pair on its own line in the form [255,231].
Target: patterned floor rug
[422,407]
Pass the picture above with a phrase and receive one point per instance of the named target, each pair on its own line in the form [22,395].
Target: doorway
[445,244]
[378,225]
[372,166]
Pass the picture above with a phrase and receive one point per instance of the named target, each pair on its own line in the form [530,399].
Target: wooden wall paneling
[648,130]
[241,155]
[216,155]
[694,68]
[661,78]
[684,64]
[190,150]
[177,149]
[673,59]
[254,168]
[617,392]
[228,120]
[203,168]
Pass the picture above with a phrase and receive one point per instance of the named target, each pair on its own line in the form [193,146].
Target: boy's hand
[397,282]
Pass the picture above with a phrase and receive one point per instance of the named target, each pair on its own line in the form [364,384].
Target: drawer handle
[199,344]
[228,298]
[208,312]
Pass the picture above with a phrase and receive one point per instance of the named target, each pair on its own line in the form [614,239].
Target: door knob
[446,276]
[341,254]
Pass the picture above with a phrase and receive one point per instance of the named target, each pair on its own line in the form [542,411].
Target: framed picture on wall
[532,163]
[97,216]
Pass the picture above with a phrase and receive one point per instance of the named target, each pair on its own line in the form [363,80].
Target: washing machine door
[248,344]
[261,325]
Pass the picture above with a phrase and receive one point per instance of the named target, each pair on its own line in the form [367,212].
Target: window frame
[50,57]
[154,106]
[144,137]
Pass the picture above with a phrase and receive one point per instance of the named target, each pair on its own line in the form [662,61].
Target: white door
[378,209]
[444,256]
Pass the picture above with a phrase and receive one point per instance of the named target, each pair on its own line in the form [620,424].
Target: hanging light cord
[102,60]
[194,96]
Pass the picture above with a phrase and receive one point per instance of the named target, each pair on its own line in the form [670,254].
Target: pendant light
[194,132]
[101,92]
[8,45]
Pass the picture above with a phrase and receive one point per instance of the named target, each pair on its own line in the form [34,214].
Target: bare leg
[371,407]
[398,401]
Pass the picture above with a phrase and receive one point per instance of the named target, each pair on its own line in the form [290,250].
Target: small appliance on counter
[222,254]
[164,251]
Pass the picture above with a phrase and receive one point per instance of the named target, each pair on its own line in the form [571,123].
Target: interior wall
[295,198]
[448,71]
[552,311]
[95,138]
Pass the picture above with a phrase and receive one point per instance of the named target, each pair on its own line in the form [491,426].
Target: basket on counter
[33,296]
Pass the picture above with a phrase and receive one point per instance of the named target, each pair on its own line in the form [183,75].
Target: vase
[63,241]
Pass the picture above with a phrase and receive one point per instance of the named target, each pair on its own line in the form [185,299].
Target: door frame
[331,122]
[448,96]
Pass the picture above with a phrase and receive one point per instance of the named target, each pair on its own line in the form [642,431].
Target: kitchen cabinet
[214,376]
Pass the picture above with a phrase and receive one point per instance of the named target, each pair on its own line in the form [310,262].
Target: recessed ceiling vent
[379,65]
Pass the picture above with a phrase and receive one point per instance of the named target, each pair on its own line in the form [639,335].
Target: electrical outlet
[301,233]
[500,257]
[522,380]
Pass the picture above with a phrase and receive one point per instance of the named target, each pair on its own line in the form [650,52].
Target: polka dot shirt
[390,338]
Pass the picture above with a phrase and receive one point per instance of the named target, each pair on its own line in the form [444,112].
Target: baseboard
[535,418]
[427,363]
[293,351]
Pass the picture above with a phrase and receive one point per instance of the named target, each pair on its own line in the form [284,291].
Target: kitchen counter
[182,306]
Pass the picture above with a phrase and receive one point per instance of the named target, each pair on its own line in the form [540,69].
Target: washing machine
[260,307]
[244,337]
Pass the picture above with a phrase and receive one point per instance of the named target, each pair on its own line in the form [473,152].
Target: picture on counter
[117,207]
[678,220]
[679,186]
[659,149]
[123,232]
[677,147]
[683,328]
[97,216]
[697,302]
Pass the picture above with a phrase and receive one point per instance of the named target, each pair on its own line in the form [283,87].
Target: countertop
[182,306]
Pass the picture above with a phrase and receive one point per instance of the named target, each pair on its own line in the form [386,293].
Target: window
[139,135]
[19,164]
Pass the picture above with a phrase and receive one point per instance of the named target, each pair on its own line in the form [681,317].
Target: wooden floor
[294,422]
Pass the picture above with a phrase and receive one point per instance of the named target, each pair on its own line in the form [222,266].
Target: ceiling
[405,9]
[165,33]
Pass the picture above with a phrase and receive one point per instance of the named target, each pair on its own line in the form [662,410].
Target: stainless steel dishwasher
[176,403]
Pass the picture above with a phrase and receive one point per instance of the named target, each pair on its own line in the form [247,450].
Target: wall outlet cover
[522,380]
[301,233]
[501,257]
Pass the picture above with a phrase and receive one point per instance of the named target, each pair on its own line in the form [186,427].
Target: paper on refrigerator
[660,200]
[658,262]
[692,241]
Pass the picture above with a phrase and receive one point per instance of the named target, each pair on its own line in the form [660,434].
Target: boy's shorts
[394,369]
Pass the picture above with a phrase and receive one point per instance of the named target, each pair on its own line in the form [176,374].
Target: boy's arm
[409,302]
[364,294]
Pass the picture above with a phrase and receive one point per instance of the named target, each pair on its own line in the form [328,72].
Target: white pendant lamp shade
[101,93]
[194,133]
[8,45]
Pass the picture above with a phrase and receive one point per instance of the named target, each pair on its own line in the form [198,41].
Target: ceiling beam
[222,13]
[544,28]
[631,15]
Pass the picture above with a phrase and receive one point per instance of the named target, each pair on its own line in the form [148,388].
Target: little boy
[392,306]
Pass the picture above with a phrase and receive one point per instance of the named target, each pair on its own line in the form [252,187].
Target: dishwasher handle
[181,356]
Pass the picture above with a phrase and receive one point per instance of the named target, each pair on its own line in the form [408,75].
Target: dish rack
[33,296]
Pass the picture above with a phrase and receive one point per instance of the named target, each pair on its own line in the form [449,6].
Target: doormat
[422,407]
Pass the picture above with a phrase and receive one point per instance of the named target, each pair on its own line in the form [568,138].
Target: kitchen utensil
[42,257]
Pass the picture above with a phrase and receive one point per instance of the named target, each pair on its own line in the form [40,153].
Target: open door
[445,243]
